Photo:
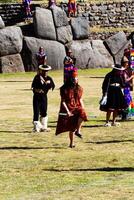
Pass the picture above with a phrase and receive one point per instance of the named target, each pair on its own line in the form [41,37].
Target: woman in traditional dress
[112,87]
[69,64]
[72,112]
[128,79]
[71,8]
[41,57]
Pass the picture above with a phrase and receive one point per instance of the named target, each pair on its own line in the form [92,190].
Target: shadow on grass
[96,77]
[103,169]
[29,148]
[15,131]
[15,81]
[108,142]
[93,126]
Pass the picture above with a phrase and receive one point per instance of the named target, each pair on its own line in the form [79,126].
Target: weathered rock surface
[116,45]
[44,24]
[60,17]
[10,40]
[55,53]
[80,28]
[88,56]
[2,24]
[11,63]
[64,34]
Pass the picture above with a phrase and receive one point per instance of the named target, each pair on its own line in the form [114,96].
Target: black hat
[45,67]
[118,67]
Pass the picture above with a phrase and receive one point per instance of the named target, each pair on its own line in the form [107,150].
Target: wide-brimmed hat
[45,67]
[118,67]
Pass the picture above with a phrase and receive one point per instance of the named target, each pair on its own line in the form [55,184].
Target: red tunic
[71,96]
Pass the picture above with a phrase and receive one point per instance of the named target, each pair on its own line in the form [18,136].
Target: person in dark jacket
[41,84]
[112,87]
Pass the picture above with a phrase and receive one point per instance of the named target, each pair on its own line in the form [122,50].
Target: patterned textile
[72,6]
[132,59]
[41,57]
[127,96]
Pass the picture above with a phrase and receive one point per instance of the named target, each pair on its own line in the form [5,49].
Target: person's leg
[71,137]
[115,113]
[35,108]
[108,114]
[36,105]
[43,112]
[78,128]
[114,123]
[80,120]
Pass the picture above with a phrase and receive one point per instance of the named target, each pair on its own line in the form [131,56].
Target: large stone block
[55,53]
[10,40]
[64,34]
[44,24]
[102,57]
[90,56]
[60,17]
[116,45]
[80,28]
[11,63]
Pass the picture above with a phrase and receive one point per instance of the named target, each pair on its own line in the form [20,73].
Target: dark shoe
[78,134]
[72,146]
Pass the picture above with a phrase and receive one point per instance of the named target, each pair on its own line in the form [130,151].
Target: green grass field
[40,166]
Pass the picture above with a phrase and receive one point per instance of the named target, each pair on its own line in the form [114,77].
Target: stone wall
[109,14]
[13,13]
[113,14]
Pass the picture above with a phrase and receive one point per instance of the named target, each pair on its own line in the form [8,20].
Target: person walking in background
[51,3]
[112,85]
[71,8]
[41,57]
[41,84]
[27,9]
[72,112]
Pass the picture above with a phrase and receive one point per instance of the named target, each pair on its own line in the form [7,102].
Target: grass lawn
[40,166]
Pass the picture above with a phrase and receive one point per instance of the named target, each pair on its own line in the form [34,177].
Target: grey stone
[80,28]
[64,34]
[116,45]
[11,63]
[60,17]
[10,40]
[91,56]
[2,25]
[101,55]
[44,24]
[55,53]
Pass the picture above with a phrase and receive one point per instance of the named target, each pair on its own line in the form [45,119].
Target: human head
[41,49]
[125,62]
[69,52]
[72,78]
